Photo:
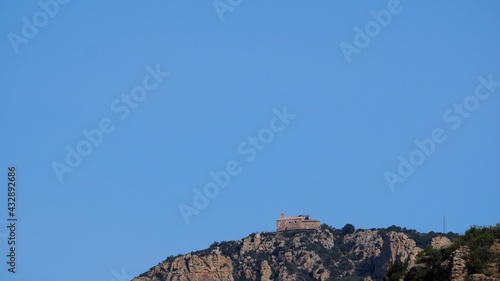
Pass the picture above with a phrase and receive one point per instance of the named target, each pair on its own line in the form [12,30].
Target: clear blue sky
[119,208]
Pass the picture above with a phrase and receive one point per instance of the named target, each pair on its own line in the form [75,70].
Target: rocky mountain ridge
[323,254]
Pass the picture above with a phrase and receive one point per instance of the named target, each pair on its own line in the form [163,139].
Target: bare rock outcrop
[440,242]
[368,243]
[459,264]
[192,267]
[265,271]
[396,247]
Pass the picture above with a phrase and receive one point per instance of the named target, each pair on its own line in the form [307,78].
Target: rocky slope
[324,254]
[474,256]
[455,267]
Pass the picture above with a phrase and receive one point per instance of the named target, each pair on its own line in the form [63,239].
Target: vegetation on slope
[477,239]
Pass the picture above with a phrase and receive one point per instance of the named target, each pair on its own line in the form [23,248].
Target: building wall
[296,223]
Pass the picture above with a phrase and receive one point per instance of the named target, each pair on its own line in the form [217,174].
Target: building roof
[301,217]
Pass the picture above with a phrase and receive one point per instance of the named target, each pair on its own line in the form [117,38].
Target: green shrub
[348,229]
[479,240]
[396,271]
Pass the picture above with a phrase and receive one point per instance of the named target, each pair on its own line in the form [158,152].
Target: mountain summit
[322,253]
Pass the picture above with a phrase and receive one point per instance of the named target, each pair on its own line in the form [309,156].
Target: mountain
[320,254]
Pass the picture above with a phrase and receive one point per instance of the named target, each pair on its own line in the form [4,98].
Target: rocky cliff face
[473,257]
[325,254]
[455,267]
[397,247]
[193,267]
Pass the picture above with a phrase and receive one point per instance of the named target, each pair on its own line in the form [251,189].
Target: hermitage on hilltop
[298,222]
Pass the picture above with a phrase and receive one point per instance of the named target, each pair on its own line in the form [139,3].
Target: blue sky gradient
[118,210]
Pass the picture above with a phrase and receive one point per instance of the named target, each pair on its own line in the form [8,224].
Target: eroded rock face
[459,259]
[255,243]
[440,242]
[459,264]
[396,247]
[369,243]
[265,271]
[455,266]
[192,268]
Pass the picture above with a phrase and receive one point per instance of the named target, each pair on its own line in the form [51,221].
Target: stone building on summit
[298,222]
